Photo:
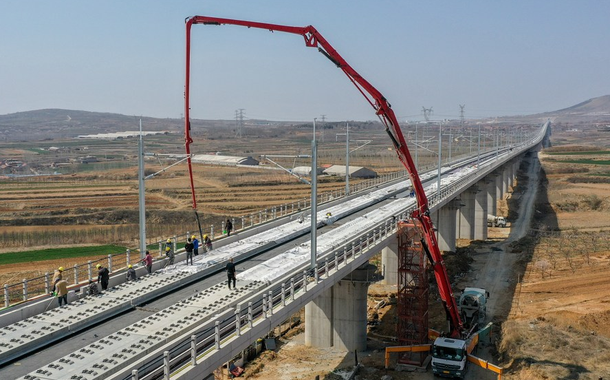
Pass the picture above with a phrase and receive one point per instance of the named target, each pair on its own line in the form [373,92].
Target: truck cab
[449,357]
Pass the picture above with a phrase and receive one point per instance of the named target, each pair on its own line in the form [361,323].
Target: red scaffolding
[413,289]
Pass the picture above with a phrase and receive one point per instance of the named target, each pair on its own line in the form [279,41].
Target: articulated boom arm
[383,110]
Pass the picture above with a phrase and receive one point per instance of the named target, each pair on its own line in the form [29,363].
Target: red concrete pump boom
[383,110]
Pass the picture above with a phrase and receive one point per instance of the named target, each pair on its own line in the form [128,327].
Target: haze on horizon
[498,59]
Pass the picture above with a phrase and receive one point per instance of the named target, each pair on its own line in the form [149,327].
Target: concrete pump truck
[449,352]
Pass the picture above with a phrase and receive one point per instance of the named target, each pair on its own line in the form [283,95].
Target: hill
[594,110]
[60,123]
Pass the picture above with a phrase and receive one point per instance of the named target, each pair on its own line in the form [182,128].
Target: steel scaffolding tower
[413,289]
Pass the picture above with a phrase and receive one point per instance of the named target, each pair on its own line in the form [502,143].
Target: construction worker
[207,242]
[195,245]
[57,276]
[169,251]
[131,273]
[62,292]
[93,289]
[148,261]
[188,248]
[229,227]
[230,268]
[103,275]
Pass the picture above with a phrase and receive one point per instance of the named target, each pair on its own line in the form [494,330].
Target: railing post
[292,288]
[193,350]
[109,263]
[260,217]
[243,225]
[250,317]
[316,274]
[274,210]
[251,220]
[6,296]
[128,254]
[166,365]
[222,227]
[75,274]
[47,286]
[336,261]
[90,270]
[304,281]
[175,244]
[212,232]
[134,375]
[217,335]
[283,294]
[326,267]
[237,321]
[25,289]
[270,302]
[160,249]
[264,306]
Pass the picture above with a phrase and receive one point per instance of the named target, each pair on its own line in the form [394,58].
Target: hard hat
[169,240]
[193,237]
[98,266]
[129,266]
[61,269]
[205,236]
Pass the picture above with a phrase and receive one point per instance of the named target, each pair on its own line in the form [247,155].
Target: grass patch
[589,153]
[58,253]
[586,162]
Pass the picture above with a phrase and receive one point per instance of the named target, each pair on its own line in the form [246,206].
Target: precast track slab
[125,347]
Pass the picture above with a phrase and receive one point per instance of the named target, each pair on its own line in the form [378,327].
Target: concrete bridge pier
[499,180]
[480,211]
[505,179]
[492,201]
[465,217]
[446,225]
[389,262]
[337,318]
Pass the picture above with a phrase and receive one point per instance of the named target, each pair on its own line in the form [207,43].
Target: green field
[586,153]
[58,253]
[586,162]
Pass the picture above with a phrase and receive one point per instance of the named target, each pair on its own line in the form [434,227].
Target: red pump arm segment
[386,114]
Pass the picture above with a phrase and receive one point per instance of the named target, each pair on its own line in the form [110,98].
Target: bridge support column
[319,320]
[505,180]
[466,214]
[446,226]
[492,201]
[480,211]
[389,262]
[338,317]
[499,193]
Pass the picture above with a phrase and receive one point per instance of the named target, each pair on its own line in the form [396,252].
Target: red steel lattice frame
[413,289]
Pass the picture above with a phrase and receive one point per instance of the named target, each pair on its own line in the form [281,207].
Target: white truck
[495,221]
[449,355]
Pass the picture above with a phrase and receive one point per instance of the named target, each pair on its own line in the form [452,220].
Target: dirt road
[493,269]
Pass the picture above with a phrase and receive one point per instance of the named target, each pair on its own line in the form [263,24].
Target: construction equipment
[473,306]
[450,356]
[495,221]
[386,115]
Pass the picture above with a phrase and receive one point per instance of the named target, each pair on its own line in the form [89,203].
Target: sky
[128,57]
